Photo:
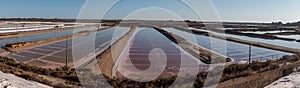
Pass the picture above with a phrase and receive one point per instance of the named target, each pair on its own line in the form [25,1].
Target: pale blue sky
[229,10]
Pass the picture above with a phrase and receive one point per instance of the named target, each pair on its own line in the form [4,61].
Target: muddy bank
[258,44]
[24,45]
[106,60]
[199,52]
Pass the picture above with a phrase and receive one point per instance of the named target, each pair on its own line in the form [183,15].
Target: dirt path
[106,60]
[39,32]
[197,51]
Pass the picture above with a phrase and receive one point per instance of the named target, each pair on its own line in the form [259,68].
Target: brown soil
[106,60]
[45,79]
[262,79]
[37,32]
[1,51]
[9,35]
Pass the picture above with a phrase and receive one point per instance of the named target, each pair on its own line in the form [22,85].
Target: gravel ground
[290,81]
[12,81]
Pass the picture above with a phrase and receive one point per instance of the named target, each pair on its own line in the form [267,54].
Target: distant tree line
[286,24]
[293,23]
[38,19]
[59,20]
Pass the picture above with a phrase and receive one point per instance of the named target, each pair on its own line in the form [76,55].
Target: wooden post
[67,46]
[250,53]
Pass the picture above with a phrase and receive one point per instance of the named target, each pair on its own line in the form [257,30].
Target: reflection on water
[44,36]
[289,44]
[237,51]
[56,51]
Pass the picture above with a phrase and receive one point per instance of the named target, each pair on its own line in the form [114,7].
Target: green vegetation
[287,24]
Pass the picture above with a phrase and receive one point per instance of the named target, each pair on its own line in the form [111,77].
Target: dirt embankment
[261,29]
[264,45]
[258,44]
[53,77]
[262,79]
[1,51]
[106,60]
[263,36]
[254,81]
[24,45]
[199,52]
[18,34]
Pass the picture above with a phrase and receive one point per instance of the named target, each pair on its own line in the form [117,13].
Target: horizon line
[225,21]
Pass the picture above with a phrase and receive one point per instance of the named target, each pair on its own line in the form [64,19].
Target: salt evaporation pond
[43,36]
[237,51]
[290,44]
